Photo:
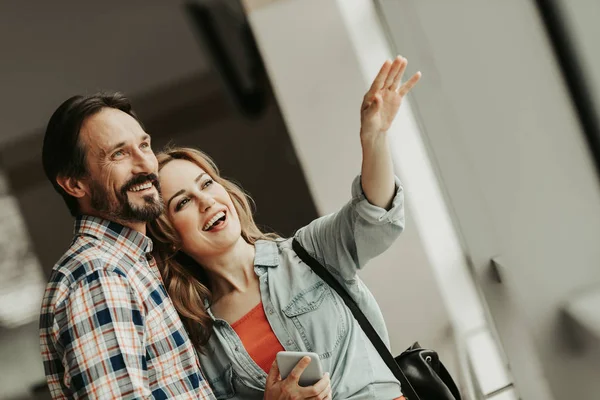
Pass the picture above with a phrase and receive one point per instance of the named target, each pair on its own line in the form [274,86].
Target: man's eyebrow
[112,148]
[104,153]
[116,146]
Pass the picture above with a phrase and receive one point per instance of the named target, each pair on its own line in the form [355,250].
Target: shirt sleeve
[101,332]
[346,240]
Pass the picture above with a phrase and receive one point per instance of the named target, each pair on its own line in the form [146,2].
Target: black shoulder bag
[420,371]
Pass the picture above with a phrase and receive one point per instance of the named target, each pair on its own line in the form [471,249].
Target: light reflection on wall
[21,278]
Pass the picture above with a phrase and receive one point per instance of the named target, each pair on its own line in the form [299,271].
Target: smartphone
[287,360]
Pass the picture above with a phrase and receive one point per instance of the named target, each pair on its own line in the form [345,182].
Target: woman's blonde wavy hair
[186,280]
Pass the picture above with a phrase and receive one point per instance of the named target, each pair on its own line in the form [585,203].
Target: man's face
[122,181]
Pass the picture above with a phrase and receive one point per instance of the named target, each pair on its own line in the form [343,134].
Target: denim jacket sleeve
[346,240]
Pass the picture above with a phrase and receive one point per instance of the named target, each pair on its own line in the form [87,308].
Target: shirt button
[289,342]
[270,310]
[237,348]
[149,256]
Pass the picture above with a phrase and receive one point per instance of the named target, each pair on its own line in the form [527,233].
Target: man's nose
[144,162]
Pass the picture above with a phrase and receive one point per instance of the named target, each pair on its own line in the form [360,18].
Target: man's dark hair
[63,153]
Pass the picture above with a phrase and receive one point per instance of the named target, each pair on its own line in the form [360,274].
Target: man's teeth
[137,188]
[214,219]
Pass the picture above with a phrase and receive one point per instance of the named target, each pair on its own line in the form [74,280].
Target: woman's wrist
[373,141]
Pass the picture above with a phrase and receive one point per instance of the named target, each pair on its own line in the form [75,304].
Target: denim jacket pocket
[222,386]
[319,318]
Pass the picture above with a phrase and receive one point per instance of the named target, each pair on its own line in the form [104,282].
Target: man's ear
[74,187]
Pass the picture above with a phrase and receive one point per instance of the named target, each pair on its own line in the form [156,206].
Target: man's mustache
[140,179]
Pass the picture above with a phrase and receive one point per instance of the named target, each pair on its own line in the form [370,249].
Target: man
[107,327]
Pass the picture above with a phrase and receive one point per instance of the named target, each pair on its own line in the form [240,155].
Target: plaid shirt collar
[113,233]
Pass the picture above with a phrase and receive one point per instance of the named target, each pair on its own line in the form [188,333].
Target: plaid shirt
[107,327]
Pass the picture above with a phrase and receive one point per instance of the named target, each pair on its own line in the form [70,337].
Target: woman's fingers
[321,386]
[294,376]
[320,390]
[273,376]
[390,78]
[395,74]
[380,79]
[394,68]
[408,85]
[397,78]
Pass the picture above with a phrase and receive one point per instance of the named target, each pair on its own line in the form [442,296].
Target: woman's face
[200,209]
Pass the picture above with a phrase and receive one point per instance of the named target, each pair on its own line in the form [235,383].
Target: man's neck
[134,225]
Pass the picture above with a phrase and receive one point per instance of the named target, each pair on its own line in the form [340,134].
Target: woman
[245,295]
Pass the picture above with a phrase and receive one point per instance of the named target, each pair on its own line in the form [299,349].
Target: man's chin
[152,192]
[144,214]
[144,209]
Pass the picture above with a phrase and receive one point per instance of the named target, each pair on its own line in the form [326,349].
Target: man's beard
[121,209]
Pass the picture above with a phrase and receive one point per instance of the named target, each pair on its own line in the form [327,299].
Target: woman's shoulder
[278,242]
[271,251]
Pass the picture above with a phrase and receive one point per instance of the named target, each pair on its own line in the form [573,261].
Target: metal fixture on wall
[223,31]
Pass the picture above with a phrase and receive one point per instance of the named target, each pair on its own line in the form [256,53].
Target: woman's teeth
[214,219]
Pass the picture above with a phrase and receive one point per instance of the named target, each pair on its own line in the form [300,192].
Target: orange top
[258,337]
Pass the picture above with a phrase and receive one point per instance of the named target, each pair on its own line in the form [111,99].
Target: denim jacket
[306,315]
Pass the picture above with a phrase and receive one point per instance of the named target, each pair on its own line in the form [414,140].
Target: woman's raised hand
[382,101]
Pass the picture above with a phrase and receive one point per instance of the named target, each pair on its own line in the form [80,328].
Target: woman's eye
[207,183]
[145,145]
[181,204]
[118,154]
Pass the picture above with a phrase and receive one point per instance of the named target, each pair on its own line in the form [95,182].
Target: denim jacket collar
[266,253]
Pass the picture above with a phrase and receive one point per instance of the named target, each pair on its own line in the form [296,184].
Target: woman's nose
[205,202]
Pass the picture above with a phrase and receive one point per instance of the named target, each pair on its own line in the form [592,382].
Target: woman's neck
[232,271]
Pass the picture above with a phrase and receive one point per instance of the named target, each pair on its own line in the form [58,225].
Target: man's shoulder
[86,262]
[84,257]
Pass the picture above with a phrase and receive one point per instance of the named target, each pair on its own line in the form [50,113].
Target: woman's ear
[74,187]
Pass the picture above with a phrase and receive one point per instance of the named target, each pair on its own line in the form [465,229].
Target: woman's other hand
[289,389]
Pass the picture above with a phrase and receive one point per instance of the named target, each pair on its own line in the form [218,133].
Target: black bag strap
[384,352]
